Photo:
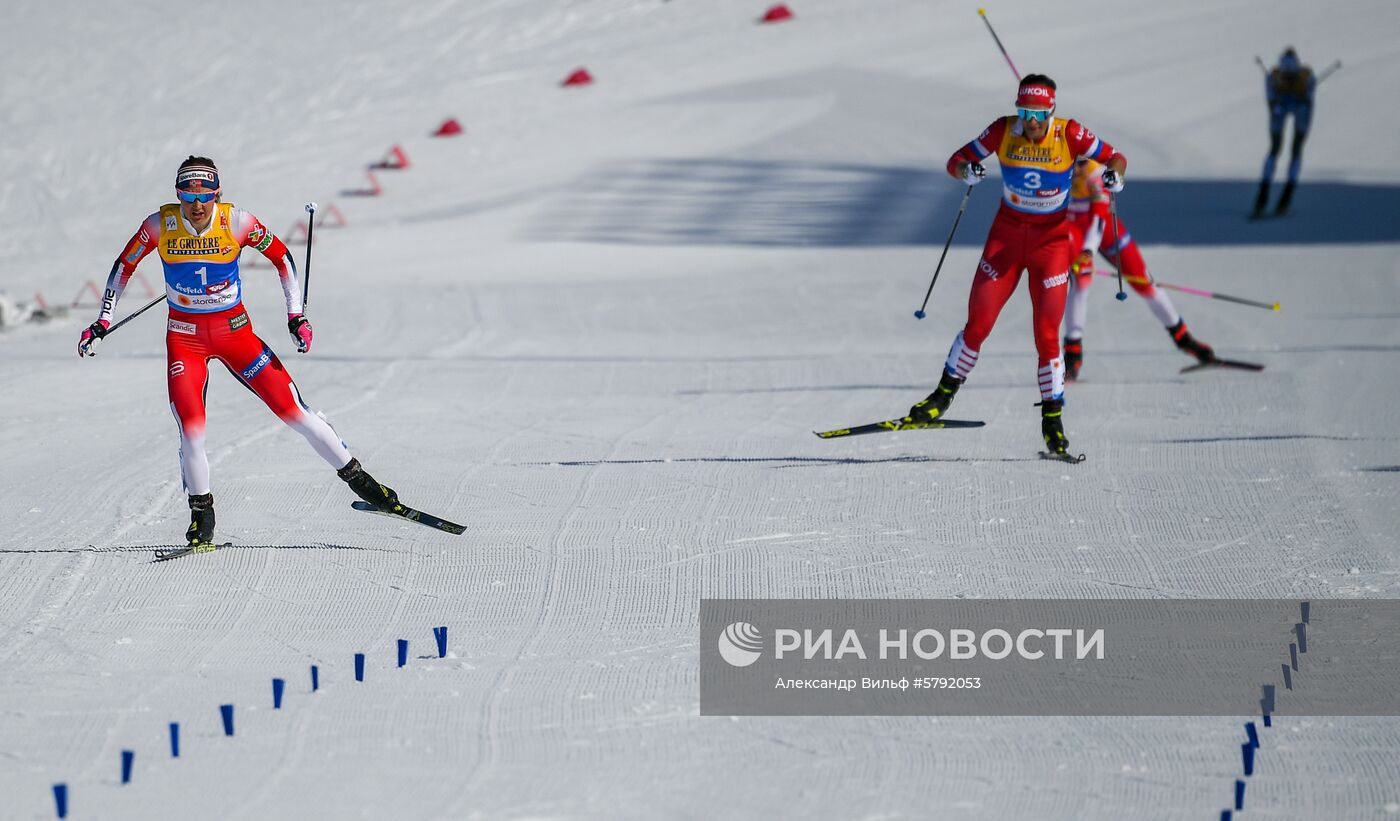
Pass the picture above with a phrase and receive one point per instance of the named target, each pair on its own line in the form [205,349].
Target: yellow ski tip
[982,12]
[1278,307]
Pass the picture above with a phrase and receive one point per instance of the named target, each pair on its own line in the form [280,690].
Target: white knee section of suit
[961,359]
[1163,309]
[194,465]
[1052,379]
[1076,310]
[319,433]
[194,461]
[323,439]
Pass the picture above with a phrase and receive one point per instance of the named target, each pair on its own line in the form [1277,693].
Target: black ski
[897,424]
[1223,363]
[188,550]
[1062,457]
[404,512]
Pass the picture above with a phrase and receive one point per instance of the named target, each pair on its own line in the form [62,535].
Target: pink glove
[92,334]
[301,331]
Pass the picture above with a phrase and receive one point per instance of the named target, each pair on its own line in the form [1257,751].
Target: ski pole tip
[919,314]
[1121,296]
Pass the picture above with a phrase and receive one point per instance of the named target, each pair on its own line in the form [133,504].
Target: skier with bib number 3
[1031,233]
[199,240]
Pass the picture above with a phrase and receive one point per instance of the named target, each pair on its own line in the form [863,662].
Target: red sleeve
[1084,144]
[1099,208]
[141,243]
[251,233]
[979,149]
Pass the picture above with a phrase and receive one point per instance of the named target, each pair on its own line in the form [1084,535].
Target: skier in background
[1037,152]
[199,240]
[1092,228]
[1289,88]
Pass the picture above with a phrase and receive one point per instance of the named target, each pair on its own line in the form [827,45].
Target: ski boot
[935,404]
[367,488]
[201,532]
[1261,202]
[1052,428]
[1074,358]
[1284,200]
[1189,344]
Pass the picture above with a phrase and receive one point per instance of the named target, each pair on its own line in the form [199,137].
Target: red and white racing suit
[1031,233]
[207,321]
[1094,228]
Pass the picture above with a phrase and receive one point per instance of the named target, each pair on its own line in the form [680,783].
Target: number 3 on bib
[1033,180]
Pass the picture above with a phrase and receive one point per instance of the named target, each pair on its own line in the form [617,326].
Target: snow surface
[598,328]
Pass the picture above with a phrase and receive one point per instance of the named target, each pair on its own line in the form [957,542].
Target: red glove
[1083,264]
[92,334]
[300,330]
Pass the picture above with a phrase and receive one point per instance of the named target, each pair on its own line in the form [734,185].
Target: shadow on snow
[736,202]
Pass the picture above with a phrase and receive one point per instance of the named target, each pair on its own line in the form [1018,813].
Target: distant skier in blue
[1289,88]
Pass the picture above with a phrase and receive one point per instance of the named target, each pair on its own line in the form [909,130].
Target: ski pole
[983,14]
[1117,246]
[1327,72]
[148,306]
[1262,67]
[1271,306]
[919,314]
[310,226]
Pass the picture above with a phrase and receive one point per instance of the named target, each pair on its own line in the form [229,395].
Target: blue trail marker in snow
[1287,677]
[359,666]
[1268,720]
[315,678]
[278,685]
[1226,815]
[1268,699]
[128,757]
[1306,607]
[1239,794]
[226,711]
[60,799]
[1248,751]
[174,739]
[1301,628]
[440,635]
[1253,733]
[403,652]
[1293,656]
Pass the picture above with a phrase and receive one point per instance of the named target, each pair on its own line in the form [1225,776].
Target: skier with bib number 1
[199,240]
